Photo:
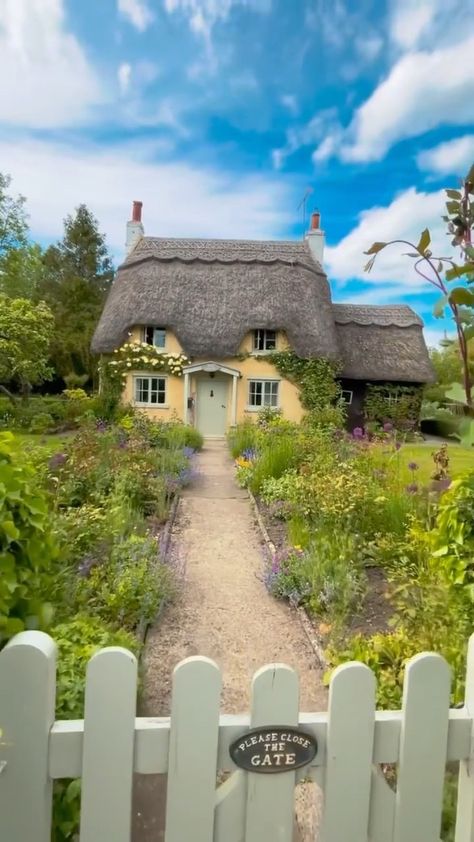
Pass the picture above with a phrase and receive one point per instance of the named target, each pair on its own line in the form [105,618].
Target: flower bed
[80,535]
[373,545]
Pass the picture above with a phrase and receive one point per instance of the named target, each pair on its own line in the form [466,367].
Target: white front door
[212,395]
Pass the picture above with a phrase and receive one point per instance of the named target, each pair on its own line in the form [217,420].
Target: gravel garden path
[222,610]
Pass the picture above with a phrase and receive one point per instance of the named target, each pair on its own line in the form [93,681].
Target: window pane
[148,335]
[258,340]
[157,390]
[270,340]
[255,393]
[141,390]
[271,393]
[159,337]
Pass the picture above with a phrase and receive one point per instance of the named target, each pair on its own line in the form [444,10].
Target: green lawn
[49,443]
[461,459]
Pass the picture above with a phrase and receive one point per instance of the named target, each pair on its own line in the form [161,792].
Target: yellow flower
[324,628]
[298,547]
[381,499]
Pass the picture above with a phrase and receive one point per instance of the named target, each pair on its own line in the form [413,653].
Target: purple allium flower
[397,445]
[412,488]
[388,427]
[57,461]
[358,433]
[188,452]
[413,466]
[101,426]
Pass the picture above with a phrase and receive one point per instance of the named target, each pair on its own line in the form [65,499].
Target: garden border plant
[93,566]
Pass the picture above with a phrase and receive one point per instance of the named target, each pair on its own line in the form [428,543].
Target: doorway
[212,395]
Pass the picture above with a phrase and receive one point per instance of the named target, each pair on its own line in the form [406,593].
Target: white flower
[129,365]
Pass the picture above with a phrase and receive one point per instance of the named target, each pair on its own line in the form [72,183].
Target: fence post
[192,764]
[349,747]
[423,741]
[109,735]
[27,700]
[270,798]
[465,807]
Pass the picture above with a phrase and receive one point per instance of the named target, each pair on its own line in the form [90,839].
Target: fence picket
[350,740]
[27,699]
[270,798]
[423,742]
[465,806]
[192,763]
[107,759]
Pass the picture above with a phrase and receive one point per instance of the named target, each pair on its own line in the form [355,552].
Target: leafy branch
[440,272]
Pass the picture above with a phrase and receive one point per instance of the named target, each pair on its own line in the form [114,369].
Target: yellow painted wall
[253,367]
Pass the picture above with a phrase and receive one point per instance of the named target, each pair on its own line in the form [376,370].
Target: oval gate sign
[273,749]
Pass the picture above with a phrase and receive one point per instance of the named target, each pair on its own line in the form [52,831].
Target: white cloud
[423,90]
[410,19]
[433,337]
[45,78]
[413,23]
[124,75]
[453,156]
[179,198]
[404,219]
[322,125]
[290,102]
[203,15]
[137,13]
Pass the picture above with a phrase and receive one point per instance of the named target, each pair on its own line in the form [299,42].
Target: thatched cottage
[226,305]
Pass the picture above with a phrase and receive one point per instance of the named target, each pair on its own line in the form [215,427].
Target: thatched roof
[382,343]
[210,293]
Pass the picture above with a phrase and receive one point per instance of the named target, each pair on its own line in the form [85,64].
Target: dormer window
[155,336]
[264,340]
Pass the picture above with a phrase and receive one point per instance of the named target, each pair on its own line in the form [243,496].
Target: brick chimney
[135,229]
[316,238]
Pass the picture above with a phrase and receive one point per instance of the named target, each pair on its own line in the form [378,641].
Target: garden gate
[193,744]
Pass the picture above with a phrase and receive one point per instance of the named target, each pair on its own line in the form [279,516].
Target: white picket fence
[193,745]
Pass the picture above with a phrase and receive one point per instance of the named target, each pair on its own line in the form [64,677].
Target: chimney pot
[315,220]
[137,211]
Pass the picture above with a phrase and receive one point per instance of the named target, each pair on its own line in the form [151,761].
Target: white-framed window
[263,393]
[347,396]
[154,336]
[264,340]
[149,391]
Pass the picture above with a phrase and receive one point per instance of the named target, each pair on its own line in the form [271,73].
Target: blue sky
[219,114]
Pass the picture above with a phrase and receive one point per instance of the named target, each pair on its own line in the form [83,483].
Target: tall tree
[77,274]
[19,260]
[13,225]
[25,334]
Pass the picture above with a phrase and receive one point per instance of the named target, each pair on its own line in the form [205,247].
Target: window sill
[260,408]
[150,405]
[263,353]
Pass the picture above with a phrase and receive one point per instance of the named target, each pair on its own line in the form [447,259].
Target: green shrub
[326,577]
[277,455]
[27,548]
[42,423]
[128,587]
[243,438]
